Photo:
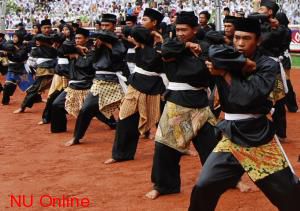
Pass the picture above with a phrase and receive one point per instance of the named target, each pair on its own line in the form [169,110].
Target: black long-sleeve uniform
[223,170]
[191,70]
[106,59]
[81,74]
[44,73]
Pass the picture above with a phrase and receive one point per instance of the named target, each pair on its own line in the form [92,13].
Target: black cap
[188,18]
[106,36]
[262,18]
[131,18]
[271,5]
[282,18]
[206,13]
[154,14]
[75,25]
[109,18]
[58,37]
[44,38]
[226,57]
[247,25]
[46,22]
[229,19]
[83,32]
[142,35]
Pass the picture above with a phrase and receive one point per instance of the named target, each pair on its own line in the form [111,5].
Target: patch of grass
[296,60]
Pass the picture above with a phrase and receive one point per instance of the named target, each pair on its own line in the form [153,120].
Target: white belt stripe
[182,87]
[63,61]
[229,116]
[144,72]
[41,60]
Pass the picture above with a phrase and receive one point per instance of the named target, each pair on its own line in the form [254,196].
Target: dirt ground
[35,163]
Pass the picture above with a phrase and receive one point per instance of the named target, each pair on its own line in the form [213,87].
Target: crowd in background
[89,11]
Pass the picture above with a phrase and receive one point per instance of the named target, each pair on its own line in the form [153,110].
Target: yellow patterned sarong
[278,91]
[74,100]
[110,96]
[58,83]
[40,71]
[4,61]
[178,125]
[148,107]
[259,162]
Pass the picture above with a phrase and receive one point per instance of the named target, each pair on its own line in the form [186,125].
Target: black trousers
[222,171]
[40,84]
[166,169]
[279,118]
[46,116]
[58,114]
[89,110]
[126,138]
[291,101]
[8,91]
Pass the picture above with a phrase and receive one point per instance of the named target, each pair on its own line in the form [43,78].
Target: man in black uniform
[204,17]
[59,82]
[140,109]
[229,29]
[81,74]
[272,45]
[3,58]
[247,144]
[17,54]
[44,59]
[106,92]
[291,102]
[130,20]
[186,117]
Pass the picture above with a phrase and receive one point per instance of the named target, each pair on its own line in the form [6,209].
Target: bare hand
[108,45]
[131,40]
[194,47]
[213,70]
[249,67]
[83,50]
[98,43]
[157,37]
[227,40]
